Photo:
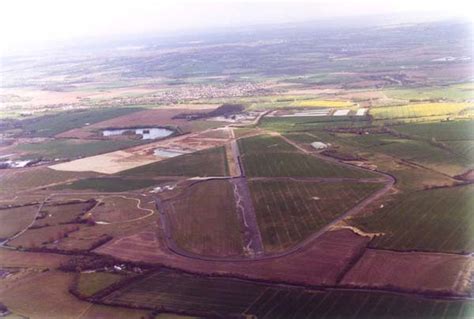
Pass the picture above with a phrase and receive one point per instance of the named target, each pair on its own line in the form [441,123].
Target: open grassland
[35,177]
[88,284]
[419,110]
[43,295]
[71,148]
[110,184]
[13,220]
[204,220]
[89,237]
[96,311]
[272,157]
[431,220]
[285,303]
[85,236]
[464,149]
[50,125]
[209,162]
[289,211]
[441,131]
[181,292]
[421,152]
[113,209]
[41,237]
[23,259]
[57,213]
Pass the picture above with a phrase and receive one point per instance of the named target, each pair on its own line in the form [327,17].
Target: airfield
[334,186]
[249,205]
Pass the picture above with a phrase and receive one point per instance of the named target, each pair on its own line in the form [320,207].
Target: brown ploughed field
[412,271]
[318,264]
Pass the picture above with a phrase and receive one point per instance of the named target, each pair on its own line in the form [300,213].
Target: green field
[72,148]
[419,110]
[36,177]
[205,220]
[110,184]
[431,220]
[62,213]
[441,131]
[308,123]
[289,211]
[209,162]
[13,220]
[272,157]
[426,153]
[458,92]
[89,284]
[50,125]
[286,303]
[170,291]
[228,298]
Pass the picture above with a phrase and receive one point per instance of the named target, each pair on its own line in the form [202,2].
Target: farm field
[281,303]
[433,273]
[290,211]
[273,157]
[419,110]
[458,92]
[88,284]
[36,177]
[200,295]
[13,220]
[456,130]
[204,220]
[50,125]
[328,257]
[420,152]
[222,296]
[71,148]
[209,162]
[43,295]
[322,103]
[446,211]
[308,123]
[41,237]
[110,184]
[160,117]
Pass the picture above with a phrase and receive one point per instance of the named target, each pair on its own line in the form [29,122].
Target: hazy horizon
[51,21]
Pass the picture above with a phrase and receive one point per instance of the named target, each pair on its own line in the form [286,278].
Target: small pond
[168,152]
[147,133]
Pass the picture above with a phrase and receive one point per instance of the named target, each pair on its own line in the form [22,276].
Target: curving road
[389,181]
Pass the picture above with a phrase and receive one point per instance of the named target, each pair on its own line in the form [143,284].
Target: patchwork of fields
[220,296]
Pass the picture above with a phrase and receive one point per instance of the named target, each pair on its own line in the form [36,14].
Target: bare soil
[412,271]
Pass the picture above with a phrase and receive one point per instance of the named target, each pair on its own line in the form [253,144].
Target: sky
[29,23]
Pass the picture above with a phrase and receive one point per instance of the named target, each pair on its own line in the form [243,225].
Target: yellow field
[322,103]
[419,110]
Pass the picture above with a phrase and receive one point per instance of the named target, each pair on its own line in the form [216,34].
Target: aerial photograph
[241,159]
